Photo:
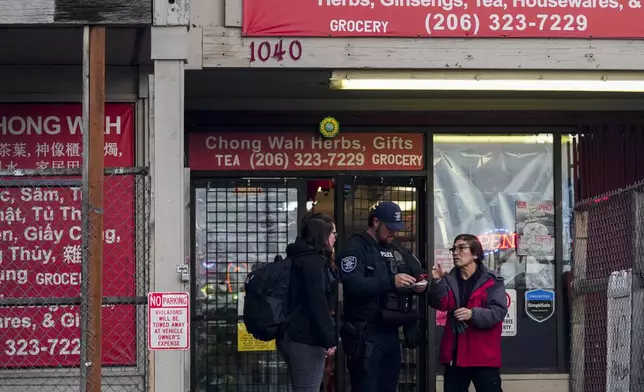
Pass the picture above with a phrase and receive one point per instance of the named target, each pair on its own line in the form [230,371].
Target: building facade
[469,114]
[257,70]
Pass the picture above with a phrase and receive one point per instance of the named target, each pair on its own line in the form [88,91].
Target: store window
[501,189]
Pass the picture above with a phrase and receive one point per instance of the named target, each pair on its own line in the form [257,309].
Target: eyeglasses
[335,234]
[459,248]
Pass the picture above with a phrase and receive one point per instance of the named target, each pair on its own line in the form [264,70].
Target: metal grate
[40,280]
[607,329]
[361,196]
[238,227]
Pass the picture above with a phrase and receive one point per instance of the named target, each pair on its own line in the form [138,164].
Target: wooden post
[93,179]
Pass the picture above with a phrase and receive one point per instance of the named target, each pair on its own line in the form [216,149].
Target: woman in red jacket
[474,298]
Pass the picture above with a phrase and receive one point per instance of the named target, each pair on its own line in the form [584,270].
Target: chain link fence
[45,324]
[607,294]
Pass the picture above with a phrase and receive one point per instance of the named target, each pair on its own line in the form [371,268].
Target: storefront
[470,119]
[471,128]
[251,184]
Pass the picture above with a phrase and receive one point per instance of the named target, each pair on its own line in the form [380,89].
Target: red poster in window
[444,18]
[40,236]
[307,151]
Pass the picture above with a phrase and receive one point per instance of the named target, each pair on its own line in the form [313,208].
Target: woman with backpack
[310,336]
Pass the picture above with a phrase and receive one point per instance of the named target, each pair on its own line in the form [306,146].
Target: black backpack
[266,312]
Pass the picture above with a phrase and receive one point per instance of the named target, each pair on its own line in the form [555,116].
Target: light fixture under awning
[627,82]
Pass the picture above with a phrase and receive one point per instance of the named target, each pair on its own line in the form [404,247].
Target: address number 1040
[265,51]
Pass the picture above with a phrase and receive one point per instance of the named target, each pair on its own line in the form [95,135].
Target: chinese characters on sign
[168,321]
[359,151]
[444,18]
[40,236]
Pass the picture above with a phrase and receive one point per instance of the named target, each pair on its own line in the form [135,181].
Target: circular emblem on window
[329,127]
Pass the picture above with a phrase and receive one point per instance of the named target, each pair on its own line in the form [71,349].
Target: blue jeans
[305,364]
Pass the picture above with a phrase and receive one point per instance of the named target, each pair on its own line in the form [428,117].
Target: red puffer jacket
[480,344]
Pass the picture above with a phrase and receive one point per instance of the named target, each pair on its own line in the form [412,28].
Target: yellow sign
[329,127]
[246,341]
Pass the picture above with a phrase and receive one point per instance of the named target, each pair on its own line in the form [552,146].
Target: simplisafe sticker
[540,304]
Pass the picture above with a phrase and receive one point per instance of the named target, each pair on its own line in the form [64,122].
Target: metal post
[93,179]
[341,379]
[430,350]
[84,216]
[562,330]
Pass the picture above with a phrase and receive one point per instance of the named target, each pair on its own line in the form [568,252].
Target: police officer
[380,280]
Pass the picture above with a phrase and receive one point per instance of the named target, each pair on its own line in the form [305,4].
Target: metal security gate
[238,225]
[356,197]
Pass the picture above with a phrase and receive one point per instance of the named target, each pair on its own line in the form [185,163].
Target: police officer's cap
[390,214]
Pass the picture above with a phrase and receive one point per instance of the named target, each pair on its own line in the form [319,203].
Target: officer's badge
[348,263]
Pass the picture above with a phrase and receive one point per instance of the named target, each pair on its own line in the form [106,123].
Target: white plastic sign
[168,321]
[510,322]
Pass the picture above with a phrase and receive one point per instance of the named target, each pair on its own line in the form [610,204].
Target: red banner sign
[444,18]
[266,151]
[40,234]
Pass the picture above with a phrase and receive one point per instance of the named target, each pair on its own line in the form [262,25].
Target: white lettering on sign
[292,151]
[359,26]
[52,125]
[168,321]
[510,321]
[41,234]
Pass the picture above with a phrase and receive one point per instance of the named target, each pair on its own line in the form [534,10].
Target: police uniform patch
[348,263]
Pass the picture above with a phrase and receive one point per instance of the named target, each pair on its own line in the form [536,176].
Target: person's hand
[437,272]
[419,288]
[404,280]
[463,314]
[329,352]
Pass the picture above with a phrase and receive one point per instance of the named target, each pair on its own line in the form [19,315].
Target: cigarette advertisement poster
[535,227]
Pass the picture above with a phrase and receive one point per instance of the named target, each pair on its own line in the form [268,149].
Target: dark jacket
[311,322]
[480,344]
[363,282]
[365,276]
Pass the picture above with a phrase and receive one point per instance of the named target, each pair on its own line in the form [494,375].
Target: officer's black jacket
[365,276]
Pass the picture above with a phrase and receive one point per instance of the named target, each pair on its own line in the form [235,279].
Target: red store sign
[40,237]
[301,151]
[444,18]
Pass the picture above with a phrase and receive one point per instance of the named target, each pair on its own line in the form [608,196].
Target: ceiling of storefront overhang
[308,90]
[63,46]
